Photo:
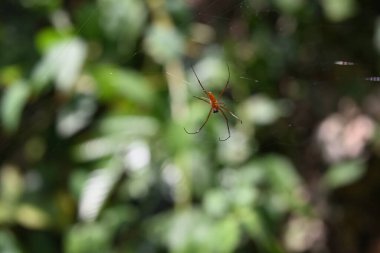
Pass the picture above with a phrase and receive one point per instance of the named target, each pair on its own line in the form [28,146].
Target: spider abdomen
[213,102]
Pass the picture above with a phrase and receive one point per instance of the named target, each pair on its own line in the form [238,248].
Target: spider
[216,106]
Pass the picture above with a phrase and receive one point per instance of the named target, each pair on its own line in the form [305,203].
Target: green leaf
[41,4]
[10,74]
[285,183]
[281,173]
[62,63]
[164,43]
[32,216]
[226,235]
[339,10]
[343,174]
[262,110]
[216,203]
[88,238]
[11,184]
[116,83]
[115,131]
[12,105]
[289,6]
[122,20]
[243,196]
[118,214]
[132,125]
[8,243]
[97,189]
[254,224]
[48,38]
[189,231]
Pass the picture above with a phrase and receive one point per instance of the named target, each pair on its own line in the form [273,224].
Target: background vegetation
[95,96]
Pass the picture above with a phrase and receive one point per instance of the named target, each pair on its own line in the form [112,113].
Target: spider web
[227,17]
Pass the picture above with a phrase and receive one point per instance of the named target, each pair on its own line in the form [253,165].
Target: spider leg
[228,127]
[203,99]
[204,123]
[204,90]
[228,81]
[233,115]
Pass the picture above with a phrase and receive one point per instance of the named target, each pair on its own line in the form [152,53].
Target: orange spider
[216,106]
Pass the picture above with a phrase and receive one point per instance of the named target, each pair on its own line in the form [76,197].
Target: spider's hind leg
[228,127]
[204,123]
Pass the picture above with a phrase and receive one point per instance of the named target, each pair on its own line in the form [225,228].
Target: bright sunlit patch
[96,149]
[95,192]
[62,63]
[171,174]
[138,156]
[75,116]
[172,177]
[262,110]
[344,63]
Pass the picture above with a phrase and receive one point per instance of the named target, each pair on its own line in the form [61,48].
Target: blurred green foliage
[95,95]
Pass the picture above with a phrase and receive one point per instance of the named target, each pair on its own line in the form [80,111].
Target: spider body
[216,106]
[213,102]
